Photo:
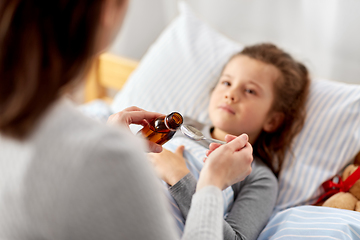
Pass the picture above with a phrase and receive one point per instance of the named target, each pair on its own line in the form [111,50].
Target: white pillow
[181,67]
[328,142]
[179,70]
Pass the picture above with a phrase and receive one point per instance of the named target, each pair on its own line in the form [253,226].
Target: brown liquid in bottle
[162,129]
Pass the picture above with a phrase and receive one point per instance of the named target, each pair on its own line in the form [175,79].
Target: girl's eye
[226,83]
[250,91]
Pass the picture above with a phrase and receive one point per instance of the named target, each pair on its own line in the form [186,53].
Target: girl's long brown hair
[291,92]
[44,46]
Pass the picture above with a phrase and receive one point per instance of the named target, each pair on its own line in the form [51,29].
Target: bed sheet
[313,222]
[96,109]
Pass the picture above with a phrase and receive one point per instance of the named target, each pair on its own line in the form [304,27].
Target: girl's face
[243,97]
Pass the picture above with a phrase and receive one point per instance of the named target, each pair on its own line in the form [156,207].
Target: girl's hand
[169,166]
[227,164]
[135,115]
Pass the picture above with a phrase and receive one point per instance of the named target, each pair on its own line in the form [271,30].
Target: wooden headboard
[109,71]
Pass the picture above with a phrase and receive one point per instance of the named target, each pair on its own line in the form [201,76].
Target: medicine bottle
[162,129]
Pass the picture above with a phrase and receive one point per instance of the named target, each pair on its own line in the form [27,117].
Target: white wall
[324,34]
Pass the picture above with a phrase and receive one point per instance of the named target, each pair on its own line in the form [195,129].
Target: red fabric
[332,187]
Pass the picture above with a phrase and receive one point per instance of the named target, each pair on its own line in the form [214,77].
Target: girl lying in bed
[261,92]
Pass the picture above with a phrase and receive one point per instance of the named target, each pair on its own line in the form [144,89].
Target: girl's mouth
[227,108]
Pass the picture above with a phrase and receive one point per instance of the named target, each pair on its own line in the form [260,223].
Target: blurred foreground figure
[63,176]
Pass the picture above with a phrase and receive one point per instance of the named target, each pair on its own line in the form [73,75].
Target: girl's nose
[230,96]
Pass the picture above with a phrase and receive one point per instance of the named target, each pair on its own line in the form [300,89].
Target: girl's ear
[274,121]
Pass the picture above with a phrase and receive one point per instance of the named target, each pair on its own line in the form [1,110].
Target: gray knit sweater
[74,178]
[254,197]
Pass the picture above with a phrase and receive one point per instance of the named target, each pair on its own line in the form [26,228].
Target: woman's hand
[227,164]
[213,146]
[135,115]
[169,166]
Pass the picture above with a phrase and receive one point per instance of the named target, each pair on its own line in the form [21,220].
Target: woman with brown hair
[63,176]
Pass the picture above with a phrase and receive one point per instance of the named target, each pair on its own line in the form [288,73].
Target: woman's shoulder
[88,152]
[67,133]
[88,171]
